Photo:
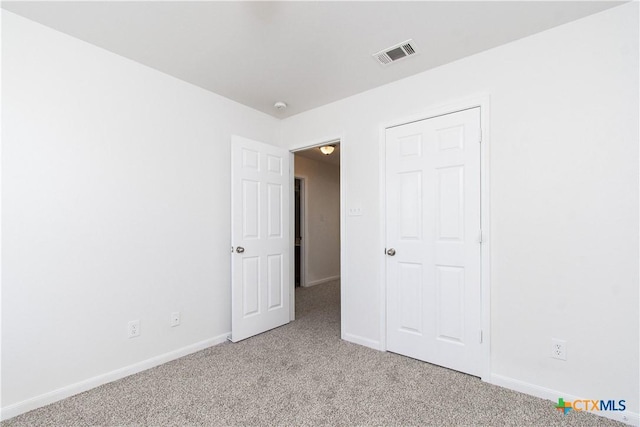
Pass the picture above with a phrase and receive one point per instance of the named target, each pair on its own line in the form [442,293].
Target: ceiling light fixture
[327,149]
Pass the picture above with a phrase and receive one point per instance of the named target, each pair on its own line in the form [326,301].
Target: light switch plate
[355,211]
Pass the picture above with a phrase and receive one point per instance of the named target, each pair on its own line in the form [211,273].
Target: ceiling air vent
[395,53]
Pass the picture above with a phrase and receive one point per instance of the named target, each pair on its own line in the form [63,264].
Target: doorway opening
[317,215]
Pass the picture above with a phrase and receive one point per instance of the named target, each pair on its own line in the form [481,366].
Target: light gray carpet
[301,374]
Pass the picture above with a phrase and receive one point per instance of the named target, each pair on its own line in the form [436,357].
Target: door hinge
[480,237]
[480,136]
[480,336]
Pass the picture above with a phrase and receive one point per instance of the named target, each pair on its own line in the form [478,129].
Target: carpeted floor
[301,374]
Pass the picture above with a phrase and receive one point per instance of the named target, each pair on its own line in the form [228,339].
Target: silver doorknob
[239,249]
[391,252]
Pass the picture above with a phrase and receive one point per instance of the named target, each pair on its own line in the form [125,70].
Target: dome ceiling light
[327,149]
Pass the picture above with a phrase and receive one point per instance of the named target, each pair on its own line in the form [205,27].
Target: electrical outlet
[133,329]
[175,318]
[558,349]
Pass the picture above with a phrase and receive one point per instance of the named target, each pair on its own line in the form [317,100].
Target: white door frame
[482,101]
[333,139]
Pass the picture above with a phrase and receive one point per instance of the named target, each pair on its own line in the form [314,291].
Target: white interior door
[260,237]
[433,240]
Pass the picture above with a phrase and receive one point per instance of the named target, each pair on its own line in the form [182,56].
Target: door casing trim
[483,101]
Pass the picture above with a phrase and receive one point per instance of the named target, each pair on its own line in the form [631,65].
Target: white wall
[115,196]
[564,200]
[322,242]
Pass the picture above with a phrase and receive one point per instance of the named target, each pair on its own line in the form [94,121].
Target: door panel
[450,194]
[276,284]
[410,207]
[250,286]
[410,297]
[250,209]
[274,209]
[433,220]
[450,303]
[260,237]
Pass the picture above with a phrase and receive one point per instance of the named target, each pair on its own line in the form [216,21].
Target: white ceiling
[304,53]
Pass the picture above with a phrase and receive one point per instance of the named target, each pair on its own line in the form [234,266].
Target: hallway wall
[322,241]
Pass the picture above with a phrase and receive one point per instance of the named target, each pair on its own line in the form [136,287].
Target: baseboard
[376,345]
[318,282]
[82,386]
[627,417]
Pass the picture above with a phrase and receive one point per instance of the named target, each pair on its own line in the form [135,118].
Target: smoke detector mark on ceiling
[395,53]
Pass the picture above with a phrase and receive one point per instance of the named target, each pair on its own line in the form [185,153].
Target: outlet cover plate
[133,329]
[175,318]
[558,349]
